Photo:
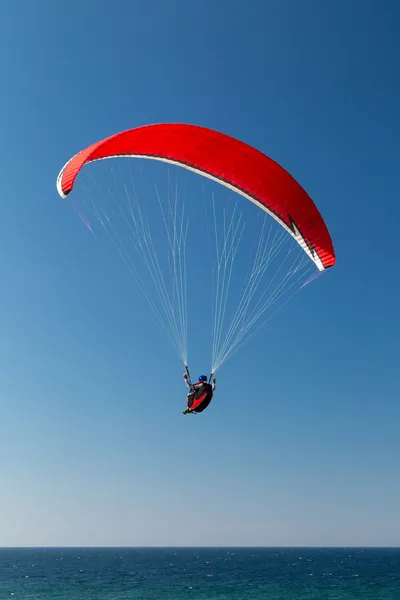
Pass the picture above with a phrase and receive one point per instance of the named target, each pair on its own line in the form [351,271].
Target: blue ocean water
[207,574]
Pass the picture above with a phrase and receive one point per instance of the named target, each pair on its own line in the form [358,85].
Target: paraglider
[200,393]
[283,250]
[226,160]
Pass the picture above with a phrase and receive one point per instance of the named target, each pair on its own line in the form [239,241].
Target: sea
[199,574]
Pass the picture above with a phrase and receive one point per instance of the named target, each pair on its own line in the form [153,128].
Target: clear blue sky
[307,452]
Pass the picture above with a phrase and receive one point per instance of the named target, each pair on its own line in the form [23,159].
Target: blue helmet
[202,378]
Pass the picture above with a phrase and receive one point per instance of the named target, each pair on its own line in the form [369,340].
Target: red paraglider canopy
[226,160]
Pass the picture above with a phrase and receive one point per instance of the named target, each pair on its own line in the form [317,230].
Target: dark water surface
[190,573]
